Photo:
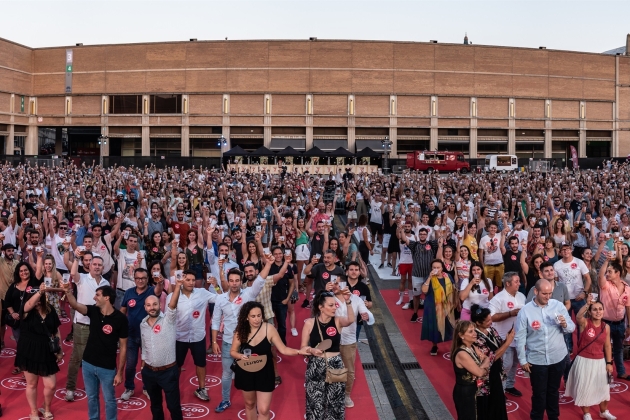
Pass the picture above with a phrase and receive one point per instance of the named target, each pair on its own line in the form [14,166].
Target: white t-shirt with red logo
[570,274]
[491,250]
[477,297]
[504,302]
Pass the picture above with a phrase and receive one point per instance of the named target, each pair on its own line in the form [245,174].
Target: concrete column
[185,139]
[32,138]
[146,140]
[433,110]
[393,137]
[309,132]
[267,120]
[472,150]
[58,141]
[582,143]
[352,142]
[615,134]
[511,127]
[9,145]
[548,126]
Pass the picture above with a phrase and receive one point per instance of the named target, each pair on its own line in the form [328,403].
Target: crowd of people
[139,258]
[524,269]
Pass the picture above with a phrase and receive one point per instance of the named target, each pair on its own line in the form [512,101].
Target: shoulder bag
[332,375]
[53,344]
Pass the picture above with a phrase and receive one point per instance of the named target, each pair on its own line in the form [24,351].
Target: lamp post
[222,141]
[102,141]
[387,144]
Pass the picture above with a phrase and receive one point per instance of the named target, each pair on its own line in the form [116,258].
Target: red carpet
[288,399]
[439,367]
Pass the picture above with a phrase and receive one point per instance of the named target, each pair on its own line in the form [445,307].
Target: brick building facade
[177,98]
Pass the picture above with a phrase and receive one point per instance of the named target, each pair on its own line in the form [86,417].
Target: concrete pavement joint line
[390,368]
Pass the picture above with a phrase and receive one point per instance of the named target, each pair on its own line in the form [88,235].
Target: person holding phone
[592,367]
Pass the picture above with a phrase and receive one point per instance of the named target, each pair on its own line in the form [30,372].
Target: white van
[501,163]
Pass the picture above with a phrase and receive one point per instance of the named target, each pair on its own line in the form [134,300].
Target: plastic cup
[48,281]
[65,279]
[179,274]
[342,285]
[594,296]
[266,251]
[287,252]
[363,298]
[177,236]
[247,352]
[318,256]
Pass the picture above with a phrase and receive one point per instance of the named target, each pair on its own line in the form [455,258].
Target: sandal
[46,414]
[16,371]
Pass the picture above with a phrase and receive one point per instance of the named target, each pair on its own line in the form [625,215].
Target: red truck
[438,161]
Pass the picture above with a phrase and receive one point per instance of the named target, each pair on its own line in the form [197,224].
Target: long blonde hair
[54,272]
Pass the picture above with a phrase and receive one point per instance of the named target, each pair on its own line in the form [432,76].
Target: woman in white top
[475,290]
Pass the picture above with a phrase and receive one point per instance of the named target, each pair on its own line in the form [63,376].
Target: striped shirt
[423,254]
[158,341]
[264,298]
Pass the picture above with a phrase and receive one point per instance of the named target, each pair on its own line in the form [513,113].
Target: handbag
[332,375]
[53,345]
[235,366]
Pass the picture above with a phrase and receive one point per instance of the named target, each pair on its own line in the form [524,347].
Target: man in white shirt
[7,228]
[574,274]
[348,345]
[191,327]
[376,218]
[86,289]
[227,306]
[490,254]
[504,308]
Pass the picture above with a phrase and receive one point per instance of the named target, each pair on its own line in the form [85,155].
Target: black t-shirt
[280,291]
[131,203]
[238,250]
[105,331]
[317,245]
[321,276]
[512,261]
[361,289]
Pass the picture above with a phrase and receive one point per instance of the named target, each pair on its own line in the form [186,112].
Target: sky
[592,26]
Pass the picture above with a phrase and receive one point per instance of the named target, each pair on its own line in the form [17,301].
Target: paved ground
[399,386]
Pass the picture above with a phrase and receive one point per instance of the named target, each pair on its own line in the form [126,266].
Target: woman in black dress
[490,396]
[253,333]
[470,365]
[34,356]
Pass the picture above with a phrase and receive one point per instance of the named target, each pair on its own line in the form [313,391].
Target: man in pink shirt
[615,295]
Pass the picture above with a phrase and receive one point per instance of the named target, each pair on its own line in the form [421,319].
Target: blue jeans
[93,378]
[134,344]
[576,305]
[226,376]
[280,311]
[617,335]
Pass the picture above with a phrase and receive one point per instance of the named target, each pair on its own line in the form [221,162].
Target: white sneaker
[606,415]
[406,305]
[348,402]
[126,395]
[69,395]
[294,332]
[146,394]
[399,301]
[587,416]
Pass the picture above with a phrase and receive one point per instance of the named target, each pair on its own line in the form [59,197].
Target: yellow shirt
[470,242]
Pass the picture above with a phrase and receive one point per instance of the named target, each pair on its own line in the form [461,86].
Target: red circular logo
[238,301]
[356,293]
[590,332]
[196,314]
[28,289]
[131,303]
[513,257]
[107,329]
[317,238]
[336,304]
[155,250]
[510,305]
[573,266]
[325,275]
[536,325]
[546,258]
[176,225]
[194,251]
[624,299]
[331,331]
[484,291]
[427,247]
[157,328]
